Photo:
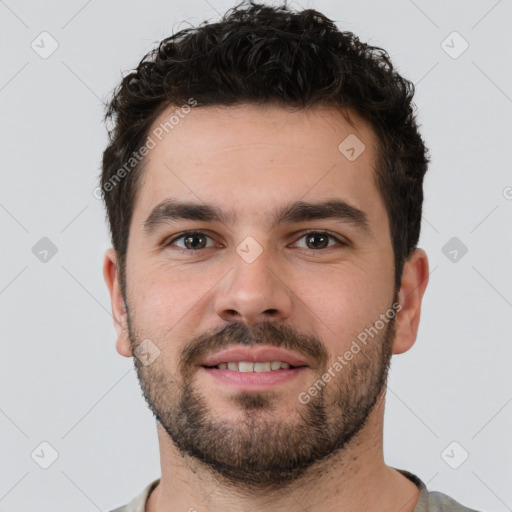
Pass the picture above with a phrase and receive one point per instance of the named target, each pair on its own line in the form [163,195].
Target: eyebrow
[299,211]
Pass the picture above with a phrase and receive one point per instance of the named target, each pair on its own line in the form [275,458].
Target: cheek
[162,297]
[341,302]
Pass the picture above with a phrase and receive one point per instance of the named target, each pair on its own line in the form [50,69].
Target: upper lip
[258,354]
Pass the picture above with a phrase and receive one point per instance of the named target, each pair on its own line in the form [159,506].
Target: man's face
[257,279]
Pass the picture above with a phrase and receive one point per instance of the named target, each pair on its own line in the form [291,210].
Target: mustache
[264,333]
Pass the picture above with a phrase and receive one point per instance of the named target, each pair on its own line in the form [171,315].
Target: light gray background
[61,380]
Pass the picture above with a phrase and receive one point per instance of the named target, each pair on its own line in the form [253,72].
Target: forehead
[249,158]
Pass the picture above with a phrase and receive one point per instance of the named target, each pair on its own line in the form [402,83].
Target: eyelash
[302,235]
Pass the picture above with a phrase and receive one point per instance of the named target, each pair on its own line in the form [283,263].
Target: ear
[414,282]
[110,273]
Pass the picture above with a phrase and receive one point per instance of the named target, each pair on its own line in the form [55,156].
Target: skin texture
[221,448]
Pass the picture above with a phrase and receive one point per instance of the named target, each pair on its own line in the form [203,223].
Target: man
[263,184]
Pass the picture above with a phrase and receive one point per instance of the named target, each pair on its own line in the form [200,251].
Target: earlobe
[414,282]
[119,313]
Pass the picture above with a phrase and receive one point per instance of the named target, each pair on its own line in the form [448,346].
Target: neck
[354,478]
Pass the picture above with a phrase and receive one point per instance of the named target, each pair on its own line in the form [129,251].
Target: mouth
[254,359]
[254,368]
[249,366]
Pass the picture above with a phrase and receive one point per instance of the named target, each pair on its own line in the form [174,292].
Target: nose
[253,292]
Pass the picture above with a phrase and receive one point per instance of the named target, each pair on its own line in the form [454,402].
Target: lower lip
[254,381]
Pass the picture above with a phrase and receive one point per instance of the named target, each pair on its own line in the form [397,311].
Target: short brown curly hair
[262,54]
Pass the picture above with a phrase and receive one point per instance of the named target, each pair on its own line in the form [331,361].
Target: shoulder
[439,502]
[433,501]
[138,504]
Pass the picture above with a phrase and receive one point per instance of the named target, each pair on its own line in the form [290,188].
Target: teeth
[261,367]
[247,366]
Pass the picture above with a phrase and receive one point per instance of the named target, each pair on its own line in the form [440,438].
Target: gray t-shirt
[428,501]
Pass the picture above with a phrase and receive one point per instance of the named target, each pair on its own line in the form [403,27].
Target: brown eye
[318,240]
[192,241]
[195,242]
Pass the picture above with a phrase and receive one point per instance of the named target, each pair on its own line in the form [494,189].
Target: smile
[248,366]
